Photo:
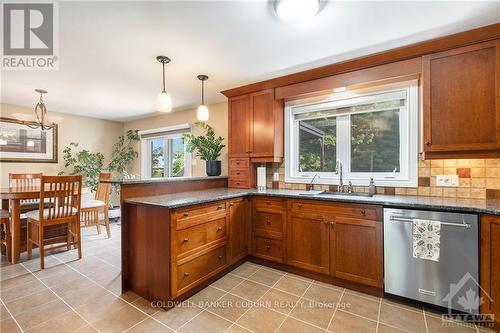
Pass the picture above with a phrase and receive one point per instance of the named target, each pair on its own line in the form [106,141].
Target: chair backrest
[62,198]
[24,180]
[103,189]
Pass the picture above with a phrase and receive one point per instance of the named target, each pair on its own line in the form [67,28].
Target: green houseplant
[208,147]
[84,163]
[124,152]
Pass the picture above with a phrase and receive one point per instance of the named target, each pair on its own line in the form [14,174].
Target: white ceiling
[107,49]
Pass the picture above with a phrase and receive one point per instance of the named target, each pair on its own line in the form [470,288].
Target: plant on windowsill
[207,147]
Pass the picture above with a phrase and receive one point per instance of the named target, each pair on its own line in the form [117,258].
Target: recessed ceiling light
[296,10]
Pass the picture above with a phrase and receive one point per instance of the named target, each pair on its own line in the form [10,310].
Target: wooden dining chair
[5,239]
[91,209]
[26,181]
[63,197]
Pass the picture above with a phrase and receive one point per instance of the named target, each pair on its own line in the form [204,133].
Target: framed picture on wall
[20,143]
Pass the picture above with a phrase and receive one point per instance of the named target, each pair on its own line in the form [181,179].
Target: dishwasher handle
[397,218]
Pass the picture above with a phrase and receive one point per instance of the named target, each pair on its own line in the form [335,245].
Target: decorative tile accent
[492,194]
[478,179]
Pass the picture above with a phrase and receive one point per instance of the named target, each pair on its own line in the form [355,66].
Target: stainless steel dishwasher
[431,281]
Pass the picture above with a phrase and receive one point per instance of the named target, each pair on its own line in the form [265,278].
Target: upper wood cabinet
[256,127]
[239,126]
[461,101]
[490,266]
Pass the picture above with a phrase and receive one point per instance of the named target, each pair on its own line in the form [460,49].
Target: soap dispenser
[371,188]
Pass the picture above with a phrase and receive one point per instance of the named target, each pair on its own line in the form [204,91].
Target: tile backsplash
[478,179]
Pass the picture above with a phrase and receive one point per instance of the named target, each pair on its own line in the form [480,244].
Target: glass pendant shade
[164,102]
[296,10]
[202,113]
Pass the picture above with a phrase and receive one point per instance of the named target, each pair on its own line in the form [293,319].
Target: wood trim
[407,69]
[485,263]
[460,39]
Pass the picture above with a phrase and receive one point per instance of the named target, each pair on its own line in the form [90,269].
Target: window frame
[145,154]
[409,124]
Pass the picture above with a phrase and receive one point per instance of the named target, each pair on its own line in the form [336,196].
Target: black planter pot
[213,168]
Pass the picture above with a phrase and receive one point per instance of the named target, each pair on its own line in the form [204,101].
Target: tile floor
[85,296]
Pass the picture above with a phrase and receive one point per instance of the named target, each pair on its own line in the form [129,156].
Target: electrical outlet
[447,180]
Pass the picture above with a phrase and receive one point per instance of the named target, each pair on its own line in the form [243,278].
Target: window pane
[177,157]
[317,145]
[375,142]
[157,158]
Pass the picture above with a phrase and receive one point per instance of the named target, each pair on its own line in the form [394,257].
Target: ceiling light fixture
[202,112]
[296,10]
[41,119]
[164,101]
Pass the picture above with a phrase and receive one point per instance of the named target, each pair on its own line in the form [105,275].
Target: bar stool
[5,239]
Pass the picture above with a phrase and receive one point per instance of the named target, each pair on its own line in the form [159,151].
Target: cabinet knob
[326,222]
[300,205]
[238,162]
[220,257]
[237,172]
[268,247]
[219,228]
[268,203]
[363,212]
[332,223]
[185,214]
[268,222]
[185,240]
[219,207]
[428,143]
[231,204]
[186,274]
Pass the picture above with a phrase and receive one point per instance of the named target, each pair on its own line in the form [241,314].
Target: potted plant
[207,147]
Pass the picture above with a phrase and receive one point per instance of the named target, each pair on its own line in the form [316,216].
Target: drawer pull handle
[428,143]
[332,224]
[268,247]
[231,204]
[268,222]
[363,212]
[185,214]
[326,222]
[237,172]
[219,228]
[238,162]
[219,207]
[185,240]
[186,274]
[268,203]
[300,205]
[220,257]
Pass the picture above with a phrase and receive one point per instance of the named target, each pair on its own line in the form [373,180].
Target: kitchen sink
[348,194]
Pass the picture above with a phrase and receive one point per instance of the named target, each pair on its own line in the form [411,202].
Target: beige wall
[218,120]
[92,134]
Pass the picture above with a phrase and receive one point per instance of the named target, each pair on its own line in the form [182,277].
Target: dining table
[11,198]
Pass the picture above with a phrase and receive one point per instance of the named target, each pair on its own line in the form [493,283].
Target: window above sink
[374,132]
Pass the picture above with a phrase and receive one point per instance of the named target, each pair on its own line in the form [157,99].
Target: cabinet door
[238,230]
[490,265]
[262,123]
[239,126]
[308,243]
[461,99]
[356,250]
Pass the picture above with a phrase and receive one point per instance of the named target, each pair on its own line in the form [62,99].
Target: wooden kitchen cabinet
[343,240]
[490,266]
[238,230]
[356,250]
[239,126]
[308,241]
[461,102]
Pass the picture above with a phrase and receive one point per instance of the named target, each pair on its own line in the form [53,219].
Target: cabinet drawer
[238,183]
[271,249]
[346,209]
[268,223]
[189,239]
[239,163]
[192,271]
[192,216]
[240,174]
[265,204]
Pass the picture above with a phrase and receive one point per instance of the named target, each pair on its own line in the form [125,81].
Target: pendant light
[41,119]
[164,101]
[202,112]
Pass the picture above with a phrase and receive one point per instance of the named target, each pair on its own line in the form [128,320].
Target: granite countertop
[159,180]
[183,199]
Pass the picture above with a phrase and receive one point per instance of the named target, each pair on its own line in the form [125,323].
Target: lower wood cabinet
[309,242]
[337,240]
[239,230]
[490,266]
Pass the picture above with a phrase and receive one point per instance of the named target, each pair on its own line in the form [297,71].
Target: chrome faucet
[338,171]
[312,180]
